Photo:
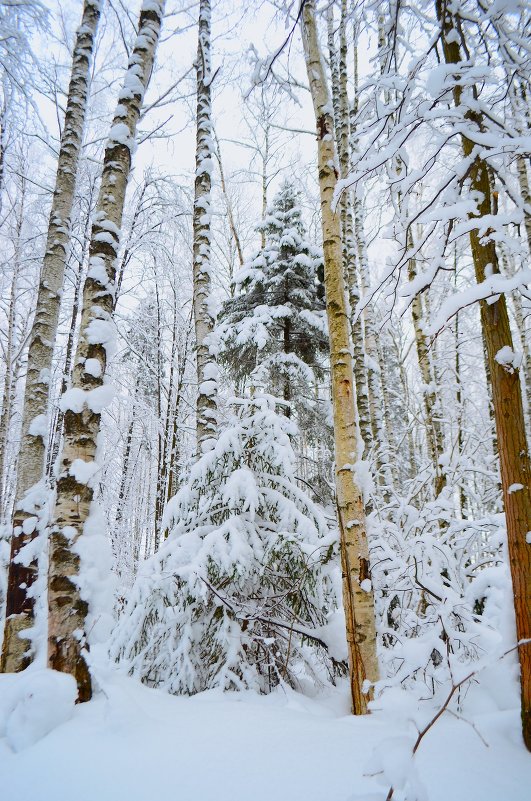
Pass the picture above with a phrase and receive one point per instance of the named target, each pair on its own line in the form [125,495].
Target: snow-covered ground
[132,743]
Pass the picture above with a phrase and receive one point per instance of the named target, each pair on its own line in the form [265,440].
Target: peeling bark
[338,69]
[20,602]
[206,407]
[358,601]
[67,610]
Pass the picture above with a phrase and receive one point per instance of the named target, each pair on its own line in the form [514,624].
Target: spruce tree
[241,593]
[273,332]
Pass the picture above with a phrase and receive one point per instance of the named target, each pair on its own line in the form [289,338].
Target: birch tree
[434,432]
[29,499]
[15,333]
[357,593]
[68,606]
[203,314]
[338,69]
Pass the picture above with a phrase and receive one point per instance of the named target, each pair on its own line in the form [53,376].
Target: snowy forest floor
[131,743]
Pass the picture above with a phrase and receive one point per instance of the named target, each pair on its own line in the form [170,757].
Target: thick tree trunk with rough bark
[515,466]
[358,595]
[84,402]
[56,427]
[21,577]
[519,313]
[204,323]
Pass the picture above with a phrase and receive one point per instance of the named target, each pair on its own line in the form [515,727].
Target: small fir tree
[240,594]
[273,332]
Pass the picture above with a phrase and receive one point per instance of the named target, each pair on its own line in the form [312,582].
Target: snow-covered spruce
[241,593]
[273,332]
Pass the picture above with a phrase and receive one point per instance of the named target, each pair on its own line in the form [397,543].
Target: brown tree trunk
[513,449]
[357,590]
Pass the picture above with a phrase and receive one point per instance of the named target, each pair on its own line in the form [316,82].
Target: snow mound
[33,703]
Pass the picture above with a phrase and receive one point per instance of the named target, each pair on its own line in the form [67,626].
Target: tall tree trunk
[171,487]
[83,403]
[519,318]
[521,121]
[5,414]
[513,449]
[434,432]
[56,432]
[162,433]
[3,148]
[523,180]
[383,435]
[125,469]
[128,244]
[287,396]
[228,203]
[265,180]
[358,595]
[338,69]
[507,262]
[16,651]
[206,366]
[460,407]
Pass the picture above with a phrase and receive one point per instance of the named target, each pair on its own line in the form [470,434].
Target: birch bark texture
[515,466]
[84,402]
[434,431]
[357,590]
[7,391]
[207,371]
[338,70]
[16,651]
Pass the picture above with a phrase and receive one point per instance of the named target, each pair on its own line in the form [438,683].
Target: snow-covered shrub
[238,595]
[441,589]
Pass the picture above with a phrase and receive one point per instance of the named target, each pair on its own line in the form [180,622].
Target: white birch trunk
[204,323]
[358,595]
[83,403]
[434,431]
[20,602]
[338,69]
[5,414]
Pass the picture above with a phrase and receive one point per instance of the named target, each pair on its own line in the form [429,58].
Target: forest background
[191,360]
